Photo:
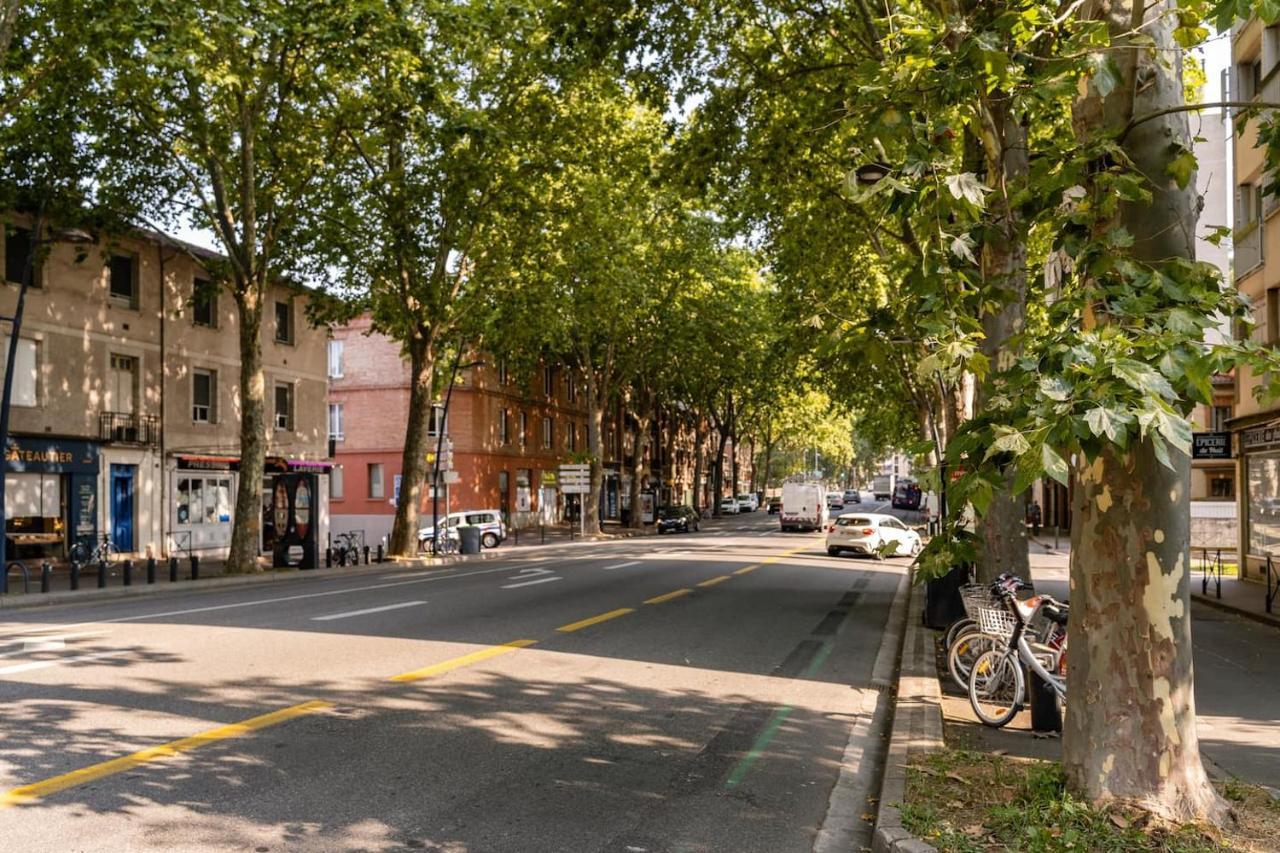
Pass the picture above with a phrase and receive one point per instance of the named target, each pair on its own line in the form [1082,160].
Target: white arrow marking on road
[532,582]
[622,565]
[27,667]
[366,611]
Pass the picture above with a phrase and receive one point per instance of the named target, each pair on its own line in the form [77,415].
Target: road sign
[575,489]
[451,477]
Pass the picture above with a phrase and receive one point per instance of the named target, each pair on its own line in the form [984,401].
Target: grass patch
[970,802]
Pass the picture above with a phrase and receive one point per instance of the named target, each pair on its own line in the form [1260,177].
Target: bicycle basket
[995,623]
[974,595]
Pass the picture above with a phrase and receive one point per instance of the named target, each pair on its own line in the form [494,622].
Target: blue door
[122,482]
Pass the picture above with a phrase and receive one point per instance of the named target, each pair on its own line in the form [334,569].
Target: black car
[677,519]
[775,506]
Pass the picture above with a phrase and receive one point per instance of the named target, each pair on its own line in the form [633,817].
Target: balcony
[125,428]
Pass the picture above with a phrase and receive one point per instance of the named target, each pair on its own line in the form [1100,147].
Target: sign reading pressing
[1211,445]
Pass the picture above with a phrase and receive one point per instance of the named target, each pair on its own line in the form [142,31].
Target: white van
[804,506]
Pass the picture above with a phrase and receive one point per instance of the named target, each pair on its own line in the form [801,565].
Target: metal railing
[126,428]
[1210,567]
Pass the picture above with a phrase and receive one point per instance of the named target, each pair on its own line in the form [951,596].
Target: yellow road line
[746,570]
[713,581]
[464,660]
[595,620]
[658,599]
[36,790]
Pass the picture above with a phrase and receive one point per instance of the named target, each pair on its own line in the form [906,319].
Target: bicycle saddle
[1055,612]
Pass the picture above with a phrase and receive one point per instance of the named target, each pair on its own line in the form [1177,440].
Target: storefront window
[204,500]
[1262,470]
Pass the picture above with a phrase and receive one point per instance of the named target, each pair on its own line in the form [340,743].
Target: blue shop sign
[50,455]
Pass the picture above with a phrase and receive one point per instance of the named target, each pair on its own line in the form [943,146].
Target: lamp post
[69,235]
[435,470]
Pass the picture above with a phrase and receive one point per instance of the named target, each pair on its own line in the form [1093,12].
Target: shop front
[1260,498]
[51,488]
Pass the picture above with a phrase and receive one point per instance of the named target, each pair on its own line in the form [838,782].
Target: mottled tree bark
[595,447]
[417,444]
[1130,728]
[246,532]
[644,419]
[699,438]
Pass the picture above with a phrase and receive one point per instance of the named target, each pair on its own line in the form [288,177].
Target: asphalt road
[683,693]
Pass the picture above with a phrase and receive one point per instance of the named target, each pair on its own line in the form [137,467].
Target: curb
[226,582]
[917,727]
[1263,618]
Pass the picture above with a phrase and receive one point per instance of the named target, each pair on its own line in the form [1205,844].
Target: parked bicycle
[965,640]
[997,687]
[346,548]
[85,552]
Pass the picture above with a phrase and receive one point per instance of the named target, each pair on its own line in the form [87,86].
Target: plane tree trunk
[417,444]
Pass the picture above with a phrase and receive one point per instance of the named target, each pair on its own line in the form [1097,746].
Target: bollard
[102,574]
[542,529]
[342,558]
[151,570]
[128,572]
[379,552]
[366,555]
[46,576]
[173,570]
[75,576]
[328,558]
[195,567]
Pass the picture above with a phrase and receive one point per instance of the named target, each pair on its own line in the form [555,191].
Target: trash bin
[468,539]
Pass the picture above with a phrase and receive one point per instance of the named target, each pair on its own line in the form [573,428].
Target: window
[1222,485]
[284,322]
[522,428]
[1255,78]
[549,381]
[25,376]
[570,388]
[17,250]
[335,422]
[1219,416]
[376,486]
[204,500]
[504,427]
[335,359]
[548,434]
[204,396]
[284,406]
[204,304]
[1273,315]
[121,382]
[335,482]
[123,274]
[438,421]
[611,443]
[571,437]
[502,372]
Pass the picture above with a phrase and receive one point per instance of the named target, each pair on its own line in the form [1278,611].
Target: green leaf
[1182,167]
[1106,75]
[1011,442]
[1054,465]
[1104,422]
[967,186]
[1177,430]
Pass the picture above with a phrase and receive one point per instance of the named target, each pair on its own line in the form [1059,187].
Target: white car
[748,503]
[873,534]
[492,529]
[835,500]
[729,506]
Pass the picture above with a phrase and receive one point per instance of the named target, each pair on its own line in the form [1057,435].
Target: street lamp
[435,471]
[65,235]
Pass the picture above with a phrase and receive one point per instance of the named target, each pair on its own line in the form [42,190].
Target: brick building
[509,436]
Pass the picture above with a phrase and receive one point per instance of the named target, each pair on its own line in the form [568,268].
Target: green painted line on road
[757,749]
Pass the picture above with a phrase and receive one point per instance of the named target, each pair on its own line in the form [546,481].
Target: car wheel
[489,540]
[833,552]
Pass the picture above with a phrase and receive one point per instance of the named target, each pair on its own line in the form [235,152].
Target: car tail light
[867,531]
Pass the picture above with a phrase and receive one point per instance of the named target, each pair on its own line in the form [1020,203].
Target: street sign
[451,477]
[1211,445]
[584,489]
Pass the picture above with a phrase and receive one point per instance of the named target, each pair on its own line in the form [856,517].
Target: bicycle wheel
[996,687]
[964,651]
[958,628]
[79,554]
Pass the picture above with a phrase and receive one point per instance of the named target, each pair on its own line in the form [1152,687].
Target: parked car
[730,506]
[852,496]
[835,500]
[872,534]
[748,503]
[775,505]
[677,519]
[493,531]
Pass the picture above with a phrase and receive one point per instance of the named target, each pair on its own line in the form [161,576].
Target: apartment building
[125,406]
[1255,427]
[509,434]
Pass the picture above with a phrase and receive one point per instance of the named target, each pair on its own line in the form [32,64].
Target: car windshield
[669,512]
[852,521]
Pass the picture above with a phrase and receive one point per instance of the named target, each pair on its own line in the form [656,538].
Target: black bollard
[366,555]
[328,558]
[195,567]
[151,570]
[46,576]
[342,557]
[173,570]
[75,576]
[379,552]
[128,572]
[102,574]
[1044,705]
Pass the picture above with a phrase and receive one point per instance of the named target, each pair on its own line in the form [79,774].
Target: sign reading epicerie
[1211,445]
